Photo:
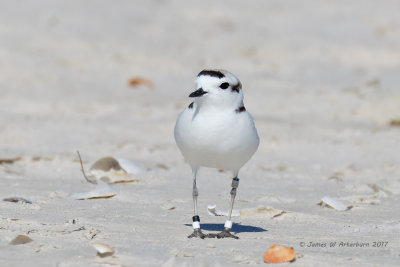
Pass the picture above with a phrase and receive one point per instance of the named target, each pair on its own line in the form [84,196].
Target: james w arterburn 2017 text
[341,244]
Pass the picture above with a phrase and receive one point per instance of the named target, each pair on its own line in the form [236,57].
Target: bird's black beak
[198,93]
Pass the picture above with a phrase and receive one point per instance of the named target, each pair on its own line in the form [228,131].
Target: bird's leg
[196,219]
[228,224]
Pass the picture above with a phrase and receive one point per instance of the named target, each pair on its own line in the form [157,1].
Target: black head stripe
[236,88]
[212,73]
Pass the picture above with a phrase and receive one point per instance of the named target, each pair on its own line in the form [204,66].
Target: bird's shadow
[236,228]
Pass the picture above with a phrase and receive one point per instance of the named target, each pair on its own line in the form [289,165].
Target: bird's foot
[197,233]
[225,233]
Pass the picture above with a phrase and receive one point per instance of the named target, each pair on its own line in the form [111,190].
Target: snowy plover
[216,131]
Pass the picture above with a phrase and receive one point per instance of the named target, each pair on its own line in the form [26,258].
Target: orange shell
[137,81]
[278,253]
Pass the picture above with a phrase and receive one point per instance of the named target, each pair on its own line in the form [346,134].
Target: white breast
[214,138]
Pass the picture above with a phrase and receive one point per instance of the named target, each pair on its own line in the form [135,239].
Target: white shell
[212,210]
[130,166]
[17,199]
[103,250]
[334,203]
[114,170]
[102,190]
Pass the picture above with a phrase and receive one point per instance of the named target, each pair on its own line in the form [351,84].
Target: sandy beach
[321,79]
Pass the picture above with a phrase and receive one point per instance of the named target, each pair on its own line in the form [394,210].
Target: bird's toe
[224,234]
[197,233]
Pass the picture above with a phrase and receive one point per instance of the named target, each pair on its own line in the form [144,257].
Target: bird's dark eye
[224,85]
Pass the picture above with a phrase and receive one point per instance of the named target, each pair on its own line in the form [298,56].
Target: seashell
[9,161]
[279,214]
[114,170]
[17,199]
[395,123]
[162,166]
[21,239]
[334,204]
[278,254]
[168,206]
[212,210]
[102,190]
[103,250]
[138,81]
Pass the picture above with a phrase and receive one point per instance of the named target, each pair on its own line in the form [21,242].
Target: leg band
[235,182]
[196,225]
[228,224]
[196,222]
[235,185]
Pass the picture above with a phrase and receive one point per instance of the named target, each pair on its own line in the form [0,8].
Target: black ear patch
[224,86]
[240,109]
[236,88]
[191,105]
[212,73]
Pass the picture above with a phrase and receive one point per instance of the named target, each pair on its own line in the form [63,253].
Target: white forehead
[215,78]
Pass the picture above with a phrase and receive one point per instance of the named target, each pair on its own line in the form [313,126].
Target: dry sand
[321,79]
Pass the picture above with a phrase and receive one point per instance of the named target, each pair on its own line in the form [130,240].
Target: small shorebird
[216,131]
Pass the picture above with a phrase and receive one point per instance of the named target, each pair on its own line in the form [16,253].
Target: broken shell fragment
[114,170]
[395,123]
[21,239]
[9,161]
[102,190]
[138,81]
[103,250]
[17,199]
[334,204]
[278,254]
[212,210]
